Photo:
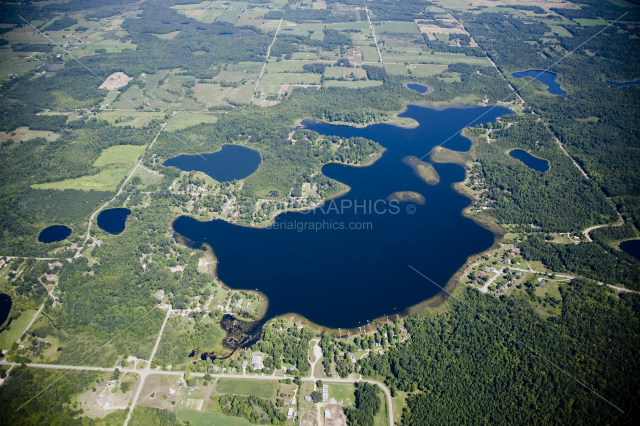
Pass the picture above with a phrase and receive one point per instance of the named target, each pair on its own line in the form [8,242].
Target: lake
[113,221]
[230,163]
[544,77]
[631,247]
[54,233]
[628,83]
[535,163]
[418,87]
[5,307]
[353,266]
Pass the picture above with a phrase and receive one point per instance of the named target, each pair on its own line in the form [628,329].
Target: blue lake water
[231,162]
[418,87]
[631,247]
[54,233]
[544,77]
[628,83]
[535,163]
[353,266]
[113,221]
[5,307]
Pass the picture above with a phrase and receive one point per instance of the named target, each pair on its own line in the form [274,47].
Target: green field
[197,418]
[414,55]
[344,393]
[116,162]
[335,72]
[183,120]
[129,118]
[352,84]
[591,22]
[9,337]
[370,54]
[395,27]
[560,31]
[261,388]
[230,16]
[290,78]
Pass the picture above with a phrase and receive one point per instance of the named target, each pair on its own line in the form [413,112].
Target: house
[308,398]
[256,362]
[286,401]
[290,413]
[327,414]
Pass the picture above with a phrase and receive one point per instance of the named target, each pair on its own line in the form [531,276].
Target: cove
[348,261]
[535,163]
[544,77]
[5,307]
[54,234]
[230,163]
[113,221]
[631,247]
[418,87]
[628,83]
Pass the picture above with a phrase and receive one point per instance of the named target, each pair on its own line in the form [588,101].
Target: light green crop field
[560,31]
[395,27]
[130,99]
[276,67]
[191,6]
[412,55]
[15,63]
[396,69]
[305,55]
[230,16]
[116,162]
[427,70]
[344,393]
[183,120]
[198,418]
[290,78]
[9,337]
[129,118]
[370,54]
[591,22]
[335,72]
[246,66]
[443,37]
[352,84]
[362,25]
[260,388]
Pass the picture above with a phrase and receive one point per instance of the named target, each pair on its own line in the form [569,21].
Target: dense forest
[469,353]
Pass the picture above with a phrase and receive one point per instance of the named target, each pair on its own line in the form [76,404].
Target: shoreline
[440,297]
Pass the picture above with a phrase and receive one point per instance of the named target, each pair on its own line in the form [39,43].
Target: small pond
[418,87]
[535,163]
[628,83]
[544,77]
[230,163]
[54,233]
[113,221]
[5,307]
[631,247]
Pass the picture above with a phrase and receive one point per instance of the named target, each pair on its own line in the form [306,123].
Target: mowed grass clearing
[344,393]
[396,27]
[560,31]
[260,388]
[182,120]
[198,418]
[9,337]
[290,78]
[116,162]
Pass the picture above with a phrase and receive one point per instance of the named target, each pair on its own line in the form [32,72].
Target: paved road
[485,288]
[144,373]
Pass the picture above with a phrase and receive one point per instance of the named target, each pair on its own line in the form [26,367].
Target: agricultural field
[198,418]
[129,118]
[116,162]
[351,84]
[24,134]
[395,27]
[260,388]
[182,120]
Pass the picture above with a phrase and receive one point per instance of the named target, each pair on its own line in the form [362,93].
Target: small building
[327,414]
[290,413]
[308,398]
[286,401]
[172,391]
